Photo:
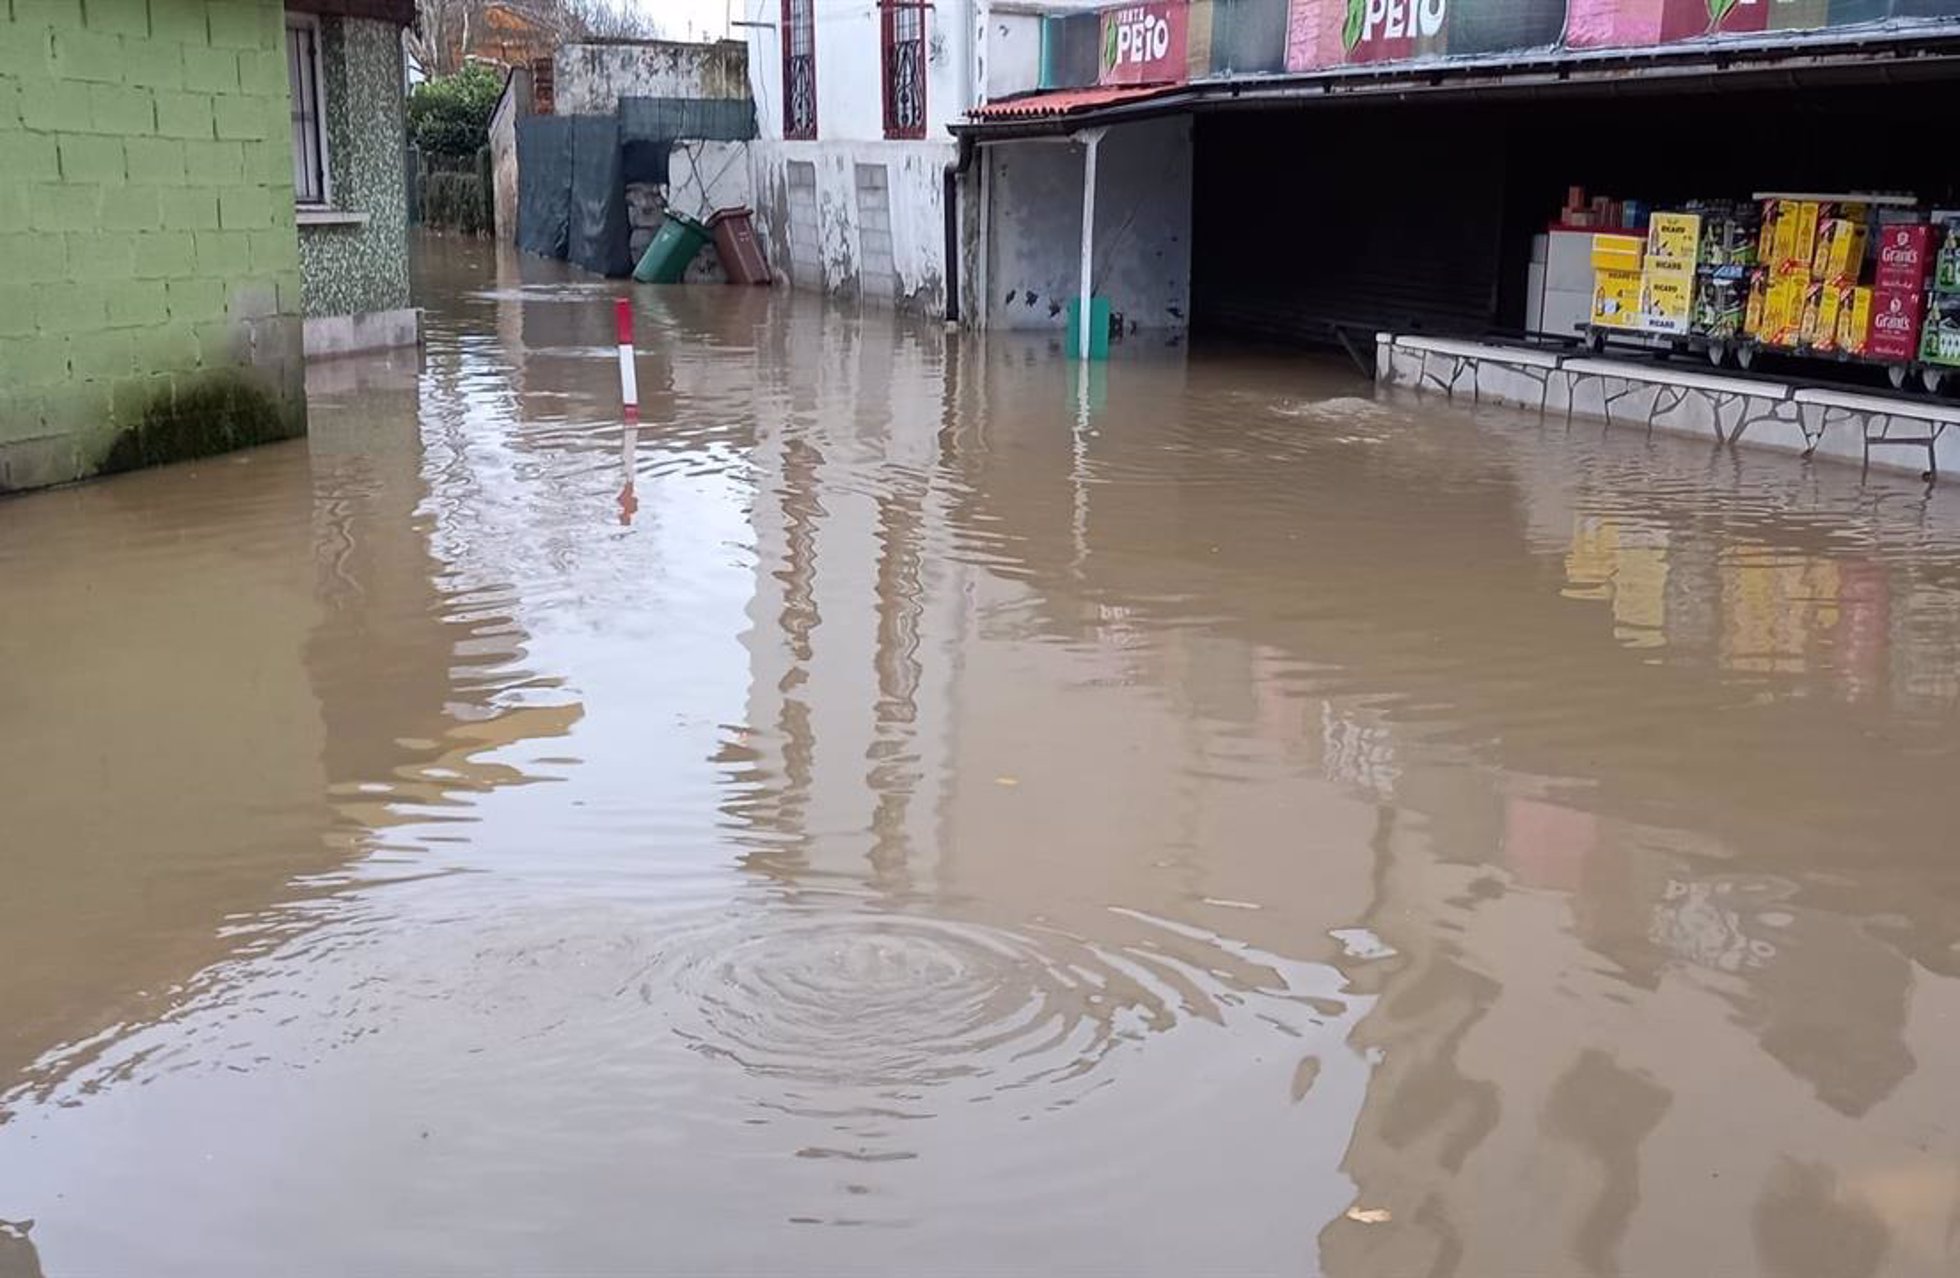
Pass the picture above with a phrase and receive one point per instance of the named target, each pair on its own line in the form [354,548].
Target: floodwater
[898,815]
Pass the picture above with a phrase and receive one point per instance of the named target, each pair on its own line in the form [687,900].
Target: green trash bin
[674,245]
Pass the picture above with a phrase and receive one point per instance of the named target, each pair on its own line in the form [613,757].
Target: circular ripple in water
[896,1002]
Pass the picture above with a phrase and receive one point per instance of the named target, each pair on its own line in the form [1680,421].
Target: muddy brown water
[932,823]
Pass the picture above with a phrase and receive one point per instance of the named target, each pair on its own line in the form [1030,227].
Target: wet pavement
[894,817]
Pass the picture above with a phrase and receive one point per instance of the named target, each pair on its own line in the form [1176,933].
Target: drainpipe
[971,77]
[950,200]
[1092,139]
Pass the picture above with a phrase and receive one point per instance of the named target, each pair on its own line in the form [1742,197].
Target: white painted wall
[705,176]
[590,78]
[515,103]
[850,101]
[1142,259]
[816,235]
[1012,47]
[1777,425]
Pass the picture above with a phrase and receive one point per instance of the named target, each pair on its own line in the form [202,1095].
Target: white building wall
[816,200]
[590,78]
[705,176]
[1142,257]
[1012,51]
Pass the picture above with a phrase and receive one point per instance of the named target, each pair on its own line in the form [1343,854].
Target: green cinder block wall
[150,292]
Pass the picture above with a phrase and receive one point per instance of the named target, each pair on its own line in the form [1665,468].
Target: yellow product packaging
[1840,253]
[1752,310]
[1783,310]
[1767,239]
[1618,252]
[1813,313]
[1784,249]
[1668,293]
[1804,247]
[1674,237]
[1821,321]
[1616,299]
[1854,320]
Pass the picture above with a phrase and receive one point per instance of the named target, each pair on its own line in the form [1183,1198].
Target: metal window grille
[904,24]
[309,129]
[799,69]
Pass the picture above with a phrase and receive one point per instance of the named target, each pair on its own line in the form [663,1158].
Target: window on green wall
[309,117]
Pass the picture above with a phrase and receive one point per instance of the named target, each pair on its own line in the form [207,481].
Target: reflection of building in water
[172,780]
[1778,609]
[1601,1041]
[1625,564]
[850,633]
[18,1258]
[234,710]
[1627,1097]
[413,654]
[1925,618]
[1813,599]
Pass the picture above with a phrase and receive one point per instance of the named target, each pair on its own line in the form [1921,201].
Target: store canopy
[1732,65]
[1062,106]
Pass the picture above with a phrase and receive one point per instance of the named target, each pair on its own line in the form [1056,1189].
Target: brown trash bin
[736,245]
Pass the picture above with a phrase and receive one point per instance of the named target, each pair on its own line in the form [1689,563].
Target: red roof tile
[1066,101]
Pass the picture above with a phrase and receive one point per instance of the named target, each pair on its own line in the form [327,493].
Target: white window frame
[311,23]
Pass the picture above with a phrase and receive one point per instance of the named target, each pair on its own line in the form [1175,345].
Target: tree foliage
[450,115]
[447,33]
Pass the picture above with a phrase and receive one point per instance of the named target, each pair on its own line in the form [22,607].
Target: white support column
[1092,139]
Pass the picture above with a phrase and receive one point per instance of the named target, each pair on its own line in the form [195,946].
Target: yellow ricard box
[1618,252]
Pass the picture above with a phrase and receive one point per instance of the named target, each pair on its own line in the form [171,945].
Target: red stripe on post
[623,321]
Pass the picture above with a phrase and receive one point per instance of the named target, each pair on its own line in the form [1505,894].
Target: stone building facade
[353,249]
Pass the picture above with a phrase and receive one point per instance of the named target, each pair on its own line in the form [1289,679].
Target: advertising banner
[1145,43]
[1324,34]
[1332,33]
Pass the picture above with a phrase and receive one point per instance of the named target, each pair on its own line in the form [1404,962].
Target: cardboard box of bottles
[1940,341]
[1784,305]
[1616,299]
[1905,254]
[1840,254]
[1854,320]
[1896,320]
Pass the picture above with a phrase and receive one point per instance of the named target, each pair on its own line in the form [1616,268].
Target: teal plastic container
[1098,328]
[674,245]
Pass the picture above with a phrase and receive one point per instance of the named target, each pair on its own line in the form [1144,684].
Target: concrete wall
[863,220]
[149,271]
[590,79]
[354,273]
[515,102]
[812,198]
[1757,422]
[705,176]
[1012,51]
[1142,260]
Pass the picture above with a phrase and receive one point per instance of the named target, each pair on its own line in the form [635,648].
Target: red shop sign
[1144,43]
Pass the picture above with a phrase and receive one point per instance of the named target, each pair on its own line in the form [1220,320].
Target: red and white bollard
[629,385]
[629,397]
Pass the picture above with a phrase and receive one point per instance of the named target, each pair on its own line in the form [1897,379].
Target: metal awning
[1728,66]
[1057,103]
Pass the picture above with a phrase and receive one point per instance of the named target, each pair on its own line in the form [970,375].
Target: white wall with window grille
[850,183]
[308,110]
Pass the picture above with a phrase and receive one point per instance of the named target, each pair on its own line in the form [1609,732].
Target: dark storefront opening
[1418,216]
